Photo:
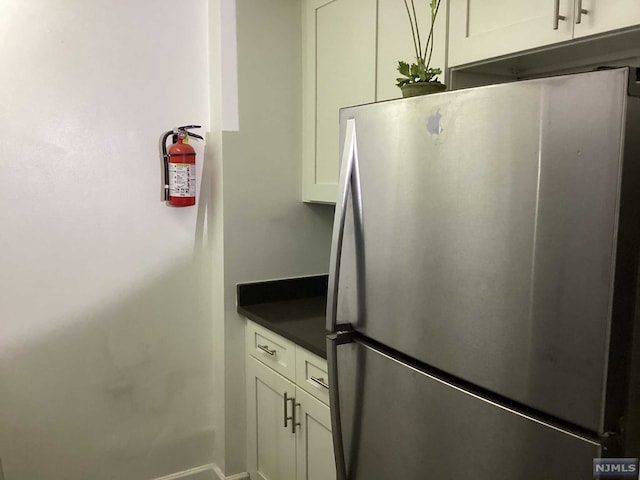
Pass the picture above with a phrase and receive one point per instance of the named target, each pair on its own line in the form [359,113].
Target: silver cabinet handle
[265,349]
[580,11]
[556,15]
[319,381]
[293,413]
[286,415]
[295,423]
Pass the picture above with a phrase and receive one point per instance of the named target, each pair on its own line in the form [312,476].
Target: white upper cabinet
[605,15]
[395,42]
[482,29]
[339,70]
[351,50]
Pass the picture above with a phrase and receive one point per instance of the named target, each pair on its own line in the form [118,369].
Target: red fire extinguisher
[180,167]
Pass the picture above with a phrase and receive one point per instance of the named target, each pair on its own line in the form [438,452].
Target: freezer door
[489,222]
[401,423]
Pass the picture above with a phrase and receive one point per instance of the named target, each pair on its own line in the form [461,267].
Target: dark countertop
[294,308]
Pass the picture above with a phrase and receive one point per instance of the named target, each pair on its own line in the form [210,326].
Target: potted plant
[420,78]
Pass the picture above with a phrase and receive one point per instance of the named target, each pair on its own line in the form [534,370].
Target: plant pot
[421,88]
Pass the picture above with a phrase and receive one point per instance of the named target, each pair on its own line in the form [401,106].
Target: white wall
[269,232]
[213,175]
[112,339]
[106,339]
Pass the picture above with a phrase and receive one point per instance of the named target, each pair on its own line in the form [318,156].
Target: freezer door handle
[333,341]
[349,180]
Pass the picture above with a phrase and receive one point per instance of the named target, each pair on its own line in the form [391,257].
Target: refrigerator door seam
[484,399]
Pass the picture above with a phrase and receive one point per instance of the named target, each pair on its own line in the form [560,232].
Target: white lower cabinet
[271,446]
[288,429]
[314,448]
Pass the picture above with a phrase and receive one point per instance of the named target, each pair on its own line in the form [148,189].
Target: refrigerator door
[403,423]
[489,220]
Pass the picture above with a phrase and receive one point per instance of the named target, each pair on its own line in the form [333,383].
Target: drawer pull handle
[265,349]
[320,381]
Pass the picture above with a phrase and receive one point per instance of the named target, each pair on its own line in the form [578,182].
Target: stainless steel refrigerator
[483,289]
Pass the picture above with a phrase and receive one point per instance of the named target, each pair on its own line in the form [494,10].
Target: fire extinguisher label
[182,179]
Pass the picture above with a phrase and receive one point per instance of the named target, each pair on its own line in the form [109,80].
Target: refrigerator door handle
[349,180]
[333,341]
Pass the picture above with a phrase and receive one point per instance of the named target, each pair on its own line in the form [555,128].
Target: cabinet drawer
[271,349]
[311,374]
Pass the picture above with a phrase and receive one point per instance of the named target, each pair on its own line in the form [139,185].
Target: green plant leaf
[420,71]
[404,69]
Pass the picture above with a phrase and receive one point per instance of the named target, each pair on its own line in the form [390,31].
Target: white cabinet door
[482,29]
[606,15]
[339,70]
[271,445]
[314,452]
[395,42]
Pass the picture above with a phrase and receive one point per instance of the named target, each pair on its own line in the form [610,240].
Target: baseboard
[237,476]
[204,472]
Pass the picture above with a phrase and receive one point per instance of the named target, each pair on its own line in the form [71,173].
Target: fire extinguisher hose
[165,160]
